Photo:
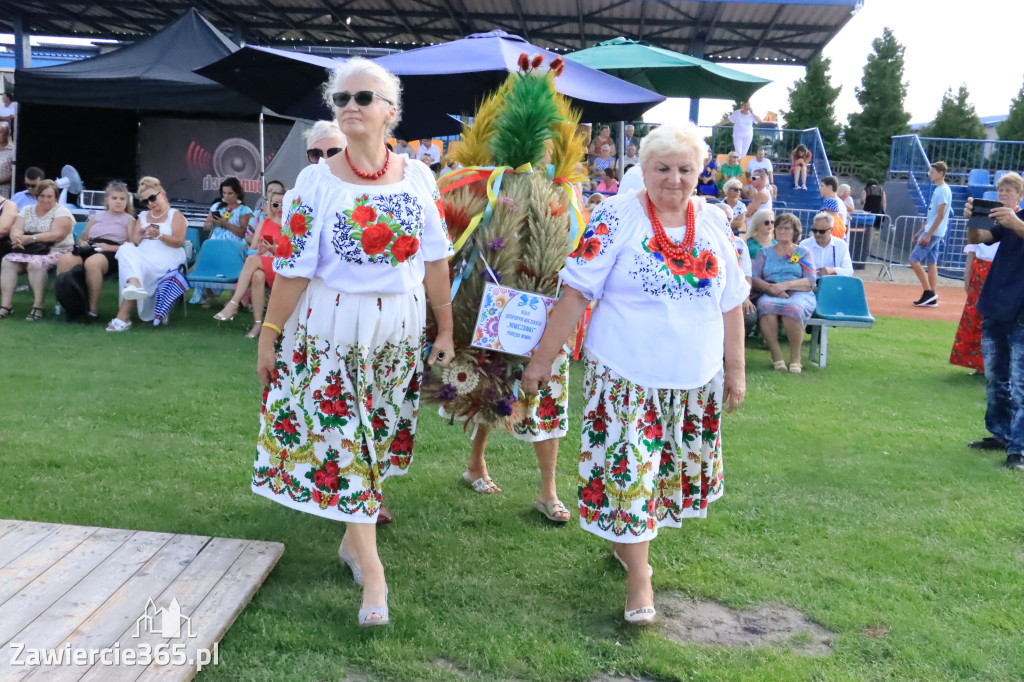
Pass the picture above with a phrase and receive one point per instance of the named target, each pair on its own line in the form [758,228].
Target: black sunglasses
[827,229]
[769,222]
[151,198]
[362,98]
[313,155]
[275,204]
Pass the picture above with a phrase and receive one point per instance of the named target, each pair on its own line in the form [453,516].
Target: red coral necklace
[370,176]
[675,251]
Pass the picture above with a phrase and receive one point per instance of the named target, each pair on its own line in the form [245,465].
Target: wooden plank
[20,610]
[53,626]
[189,589]
[113,610]
[7,525]
[22,539]
[44,554]
[220,608]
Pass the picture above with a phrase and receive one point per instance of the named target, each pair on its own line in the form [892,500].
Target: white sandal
[650,569]
[552,508]
[644,615]
[483,485]
[117,325]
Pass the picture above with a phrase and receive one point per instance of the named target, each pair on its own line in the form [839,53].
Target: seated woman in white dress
[150,258]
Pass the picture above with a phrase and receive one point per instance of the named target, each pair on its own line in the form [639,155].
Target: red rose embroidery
[331,468]
[653,432]
[364,215]
[547,408]
[297,224]
[333,391]
[376,238]
[402,441]
[706,265]
[689,428]
[593,494]
[286,425]
[404,247]
[284,248]
[377,422]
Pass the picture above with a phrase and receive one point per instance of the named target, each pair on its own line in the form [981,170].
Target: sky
[986,57]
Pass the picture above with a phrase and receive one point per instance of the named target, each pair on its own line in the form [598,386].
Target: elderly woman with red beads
[670,293]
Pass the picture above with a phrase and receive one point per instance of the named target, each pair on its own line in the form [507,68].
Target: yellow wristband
[274,327]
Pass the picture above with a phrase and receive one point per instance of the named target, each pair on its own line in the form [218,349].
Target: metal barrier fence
[895,245]
[867,236]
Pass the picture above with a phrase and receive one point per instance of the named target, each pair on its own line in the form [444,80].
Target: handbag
[36,249]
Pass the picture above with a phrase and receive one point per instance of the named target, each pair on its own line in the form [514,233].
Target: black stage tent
[90,113]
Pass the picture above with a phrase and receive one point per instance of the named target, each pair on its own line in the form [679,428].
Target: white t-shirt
[835,255]
[632,180]
[11,110]
[985,252]
[754,165]
[655,326]
[362,238]
[743,123]
[844,212]
[435,153]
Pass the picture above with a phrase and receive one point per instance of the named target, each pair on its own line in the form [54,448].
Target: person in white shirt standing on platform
[743,120]
[9,110]
[670,295]
[831,255]
[931,244]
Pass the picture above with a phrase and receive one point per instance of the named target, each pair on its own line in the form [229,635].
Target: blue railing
[908,157]
[811,138]
[963,156]
[777,143]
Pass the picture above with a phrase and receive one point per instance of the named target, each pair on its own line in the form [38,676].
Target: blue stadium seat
[841,302]
[219,262]
[192,244]
[990,195]
[978,177]
[999,174]
[78,229]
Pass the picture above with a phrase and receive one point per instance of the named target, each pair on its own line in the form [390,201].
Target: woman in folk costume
[670,291]
[363,252]
[529,133]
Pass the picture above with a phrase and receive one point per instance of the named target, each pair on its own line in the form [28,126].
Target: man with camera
[1001,305]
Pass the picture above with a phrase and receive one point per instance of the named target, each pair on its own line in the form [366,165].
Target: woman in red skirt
[967,343]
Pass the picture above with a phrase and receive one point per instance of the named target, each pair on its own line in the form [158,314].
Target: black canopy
[154,74]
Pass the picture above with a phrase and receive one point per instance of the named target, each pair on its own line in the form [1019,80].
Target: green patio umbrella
[668,73]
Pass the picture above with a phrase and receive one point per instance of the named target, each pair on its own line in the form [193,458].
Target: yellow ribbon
[493,186]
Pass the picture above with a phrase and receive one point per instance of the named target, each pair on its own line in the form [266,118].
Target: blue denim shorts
[929,255]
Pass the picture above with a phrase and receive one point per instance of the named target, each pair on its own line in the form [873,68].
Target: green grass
[849,496]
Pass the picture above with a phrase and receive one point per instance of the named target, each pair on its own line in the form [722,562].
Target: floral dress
[340,414]
[771,267]
[967,342]
[653,374]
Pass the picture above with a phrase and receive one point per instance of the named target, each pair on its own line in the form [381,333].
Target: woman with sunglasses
[258,270]
[761,233]
[785,275]
[323,141]
[364,253]
[152,254]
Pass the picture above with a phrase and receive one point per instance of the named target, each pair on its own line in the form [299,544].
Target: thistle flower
[447,394]
[497,245]
[503,408]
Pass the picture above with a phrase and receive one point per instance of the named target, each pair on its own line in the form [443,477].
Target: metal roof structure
[737,31]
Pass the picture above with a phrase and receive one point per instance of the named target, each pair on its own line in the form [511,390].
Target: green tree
[868,135]
[1013,127]
[812,103]
[956,118]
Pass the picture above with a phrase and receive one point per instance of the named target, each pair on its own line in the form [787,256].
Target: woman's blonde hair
[1013,180]
[789,220]
[148,186]
[732,183]
[118,186]
[322,129]
[757,220]
[670,138]
[388,84]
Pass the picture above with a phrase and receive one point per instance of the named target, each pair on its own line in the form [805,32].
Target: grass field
[849,496]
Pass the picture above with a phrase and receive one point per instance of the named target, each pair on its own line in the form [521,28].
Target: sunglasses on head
[313,155]
[151,198]
[827,229]
[362,98]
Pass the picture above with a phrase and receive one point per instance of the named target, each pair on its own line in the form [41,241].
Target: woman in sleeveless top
[151,256]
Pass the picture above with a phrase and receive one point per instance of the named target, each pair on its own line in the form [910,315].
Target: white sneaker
[117,325]
[133,293]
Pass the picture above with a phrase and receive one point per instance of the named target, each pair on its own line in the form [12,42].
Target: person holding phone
[1001,305]
[258,270]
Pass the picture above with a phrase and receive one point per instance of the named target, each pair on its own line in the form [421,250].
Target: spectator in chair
[831,255]
[148,262]
[799,162]
[603,137]
[785,276]
[402,147]
[731,198]
[258,270]
[632,157]
[760,232]
[707,181]
[1002,334]
[761,197]
[41,234]
[931,244]
[6,160]
[731,169]
[27,197]
[259,214]
[630,140]
[605,160]
[760,162]
[229,219]
[738,224]
[427,146]
[609,183]
[8,215]
[97,247]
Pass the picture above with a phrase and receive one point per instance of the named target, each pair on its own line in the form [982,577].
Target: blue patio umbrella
[454,77]
[289,84]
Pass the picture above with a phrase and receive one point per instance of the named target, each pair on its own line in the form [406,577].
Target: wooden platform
[74,591]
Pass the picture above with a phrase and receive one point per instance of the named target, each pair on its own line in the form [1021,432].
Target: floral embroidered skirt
[547,415]
[650,456]
[967,343]
[340,414]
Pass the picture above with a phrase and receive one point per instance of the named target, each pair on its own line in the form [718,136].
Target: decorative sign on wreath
[511,321]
